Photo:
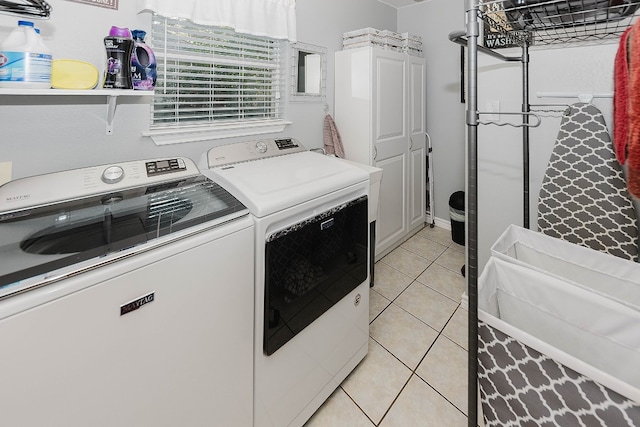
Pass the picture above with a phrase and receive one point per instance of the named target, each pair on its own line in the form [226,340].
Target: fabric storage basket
[553,353]
[611,276]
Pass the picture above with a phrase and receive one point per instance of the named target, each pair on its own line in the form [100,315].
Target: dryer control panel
[287,143]
[252,150]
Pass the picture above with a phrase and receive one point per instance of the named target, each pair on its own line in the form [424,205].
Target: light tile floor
[415,373]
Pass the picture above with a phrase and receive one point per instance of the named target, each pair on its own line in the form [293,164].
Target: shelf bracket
[111,111]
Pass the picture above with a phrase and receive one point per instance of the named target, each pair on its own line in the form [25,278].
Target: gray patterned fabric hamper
[554,351]
[520,386]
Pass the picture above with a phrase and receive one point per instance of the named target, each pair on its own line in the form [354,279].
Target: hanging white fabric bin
[552,351]
[609,275]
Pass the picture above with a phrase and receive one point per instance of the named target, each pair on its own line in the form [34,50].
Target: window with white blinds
[208,76]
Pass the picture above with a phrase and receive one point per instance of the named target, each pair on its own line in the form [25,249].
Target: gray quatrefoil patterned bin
[584,198]
[523,387]
[558,334]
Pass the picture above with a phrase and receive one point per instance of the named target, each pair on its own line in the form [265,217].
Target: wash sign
[109,4]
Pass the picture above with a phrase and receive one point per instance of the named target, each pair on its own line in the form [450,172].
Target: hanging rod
[583,97]
[549,105]
[552,110]
[509,113]
[459,37]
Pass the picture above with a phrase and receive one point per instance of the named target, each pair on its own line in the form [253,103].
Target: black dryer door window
[310,266]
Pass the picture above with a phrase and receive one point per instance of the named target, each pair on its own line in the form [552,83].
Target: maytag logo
[136,304]
[17,198]
[3,59]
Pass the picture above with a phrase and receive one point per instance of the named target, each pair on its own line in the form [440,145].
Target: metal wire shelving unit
[523,24]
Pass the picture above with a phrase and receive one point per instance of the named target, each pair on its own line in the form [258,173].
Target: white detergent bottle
[25,61]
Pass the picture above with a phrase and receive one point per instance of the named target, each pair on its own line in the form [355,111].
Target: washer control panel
[77,183]
[159,167]
[252,150]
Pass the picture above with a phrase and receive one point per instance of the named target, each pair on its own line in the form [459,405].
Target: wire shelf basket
[549,22]
[35,9]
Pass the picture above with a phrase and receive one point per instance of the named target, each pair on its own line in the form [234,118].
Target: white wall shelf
[111,94]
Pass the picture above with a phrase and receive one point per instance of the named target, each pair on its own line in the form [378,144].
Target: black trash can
[456,214]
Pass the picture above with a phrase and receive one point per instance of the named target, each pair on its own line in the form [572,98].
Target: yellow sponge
[73,74]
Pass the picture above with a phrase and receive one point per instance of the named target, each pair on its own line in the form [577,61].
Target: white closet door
[391,146]
[390,105]
[391,224]
[417,143]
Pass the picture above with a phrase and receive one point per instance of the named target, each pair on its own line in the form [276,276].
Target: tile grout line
[439,332]
[407,287]
[437,291]
[405,274]
[413,371]
[421,360]
[387,350]
[358,406]
[430,264]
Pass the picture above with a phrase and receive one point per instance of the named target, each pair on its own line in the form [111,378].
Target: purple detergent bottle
[143,63]
[119,47]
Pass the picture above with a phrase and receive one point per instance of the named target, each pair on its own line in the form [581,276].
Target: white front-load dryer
[312,282]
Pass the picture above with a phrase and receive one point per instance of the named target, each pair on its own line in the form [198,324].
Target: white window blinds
[211,75]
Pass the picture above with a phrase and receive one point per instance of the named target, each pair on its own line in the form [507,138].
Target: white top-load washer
[312,282]
[126,296]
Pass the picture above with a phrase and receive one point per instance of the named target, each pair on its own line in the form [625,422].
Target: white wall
[585,69]
[45,134]
[433,20]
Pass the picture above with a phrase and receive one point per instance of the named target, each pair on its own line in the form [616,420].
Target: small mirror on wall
[308,72]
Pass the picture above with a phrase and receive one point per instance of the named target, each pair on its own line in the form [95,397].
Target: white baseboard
[443,223]
[439,222]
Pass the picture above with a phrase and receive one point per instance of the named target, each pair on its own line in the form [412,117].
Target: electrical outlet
[493,106]
[5,172]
